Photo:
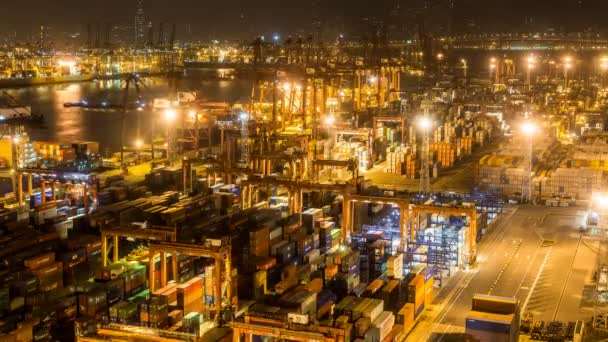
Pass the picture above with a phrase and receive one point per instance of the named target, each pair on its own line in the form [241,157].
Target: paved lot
[552,282]
[457,179]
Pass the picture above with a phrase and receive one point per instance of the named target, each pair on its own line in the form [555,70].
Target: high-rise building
[140,25]
[44,39]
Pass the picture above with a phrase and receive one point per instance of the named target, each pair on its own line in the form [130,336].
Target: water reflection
[65,124]
[69,122]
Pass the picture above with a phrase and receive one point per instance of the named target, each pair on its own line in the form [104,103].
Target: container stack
[56,152]
[154,313]
[325,301]
[93,302]
[209,283]
[416,294]
[191,323]
[446,153]
[464,146]
[438,134]
[493,318]
[50,276]
[576,182]
[480,137]
[412,166]
[259,242]
[381,327]
[395,266]
[396,159]
[124,313]
[405,317]
[190,295]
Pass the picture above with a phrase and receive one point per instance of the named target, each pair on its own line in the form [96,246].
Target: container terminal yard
[435,189]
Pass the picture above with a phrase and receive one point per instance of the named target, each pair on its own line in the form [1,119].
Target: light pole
[492,67]
[329,121]
[169,115]
[531,62]
[465,66]
[604,68]
[138,145]
[528,129]
[567,66]
[373,81]
[425,124]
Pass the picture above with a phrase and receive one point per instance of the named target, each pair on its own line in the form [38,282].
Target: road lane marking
[561,296]
[540,271]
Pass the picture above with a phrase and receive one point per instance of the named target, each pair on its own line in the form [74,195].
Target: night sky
[240,18]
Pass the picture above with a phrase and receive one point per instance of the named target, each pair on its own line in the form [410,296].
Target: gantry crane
[468,212]
[347,212]
[281,330]
[57,180]
[222,268]
[294,190]
[154,233]
[425,179]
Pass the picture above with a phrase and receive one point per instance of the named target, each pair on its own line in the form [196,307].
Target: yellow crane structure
[57,180]
[294,190]
[282,330]
[154,233]
[222,270]
[348,208]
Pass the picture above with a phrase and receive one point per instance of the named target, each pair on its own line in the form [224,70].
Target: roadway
[549,281]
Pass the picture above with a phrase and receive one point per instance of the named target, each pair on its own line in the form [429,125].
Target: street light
[567,66]
[531,62]
[139,143]
[329,122]
[600,199]
[170,114]
[528,129]
[373,79]
[425,123]
[465,66]
[604,68]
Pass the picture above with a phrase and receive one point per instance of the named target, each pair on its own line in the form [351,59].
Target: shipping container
[495,304]
[483,326]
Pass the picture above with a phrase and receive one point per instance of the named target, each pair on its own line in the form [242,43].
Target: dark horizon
[240,19]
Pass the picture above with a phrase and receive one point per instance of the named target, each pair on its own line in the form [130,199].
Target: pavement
[536,254]
[136,173]
[456,179]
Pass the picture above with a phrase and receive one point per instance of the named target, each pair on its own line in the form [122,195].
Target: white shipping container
[373,310]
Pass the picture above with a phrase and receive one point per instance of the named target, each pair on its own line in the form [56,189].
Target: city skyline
[239,19]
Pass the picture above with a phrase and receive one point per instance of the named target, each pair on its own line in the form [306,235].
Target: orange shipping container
[39,260]
[405,317]
[331,271]
[429,290]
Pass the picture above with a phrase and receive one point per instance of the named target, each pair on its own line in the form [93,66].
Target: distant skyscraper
[140,25]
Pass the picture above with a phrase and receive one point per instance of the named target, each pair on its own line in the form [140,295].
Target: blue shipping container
[497,327]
